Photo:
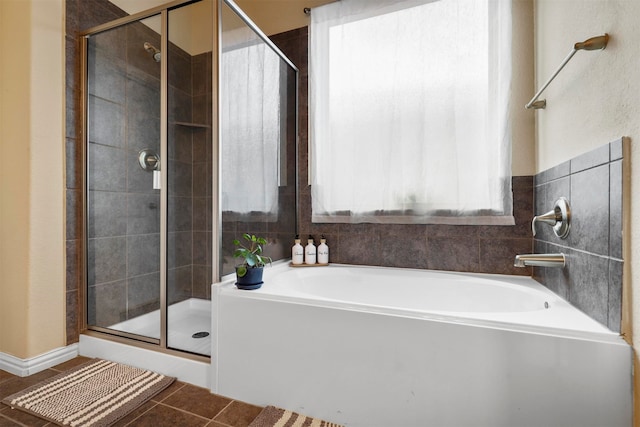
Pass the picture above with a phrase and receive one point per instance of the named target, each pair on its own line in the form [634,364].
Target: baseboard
[32,365]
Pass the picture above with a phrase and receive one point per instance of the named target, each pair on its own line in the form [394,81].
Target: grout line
[132,422]
[222,410]
[582,251]
[210,423]
[170,394]
[183,411]
[15,421]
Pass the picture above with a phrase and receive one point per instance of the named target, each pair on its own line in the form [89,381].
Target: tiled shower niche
[593,184]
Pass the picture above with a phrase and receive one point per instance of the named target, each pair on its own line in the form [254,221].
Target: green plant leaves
[251,259]
[251,253]
[241,271]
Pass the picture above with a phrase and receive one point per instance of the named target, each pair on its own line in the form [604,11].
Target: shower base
[188,326]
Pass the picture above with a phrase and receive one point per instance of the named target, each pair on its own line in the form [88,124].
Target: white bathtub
[368,346]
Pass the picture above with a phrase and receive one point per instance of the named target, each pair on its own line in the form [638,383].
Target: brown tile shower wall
[123,234]
[483,249]
[202,163]
[593,184]
[190,162]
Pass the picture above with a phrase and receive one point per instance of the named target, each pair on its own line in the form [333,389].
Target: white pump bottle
[323,251]
[310,252]
[297,253]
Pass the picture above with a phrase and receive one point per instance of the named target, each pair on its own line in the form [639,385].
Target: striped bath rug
[276,417]
[97,393]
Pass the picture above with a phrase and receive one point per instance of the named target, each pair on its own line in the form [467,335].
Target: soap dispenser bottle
[297,252]
[323,251]
[310,252]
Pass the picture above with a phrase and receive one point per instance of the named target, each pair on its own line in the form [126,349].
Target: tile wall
[123,221]
[593,184]
[189,218]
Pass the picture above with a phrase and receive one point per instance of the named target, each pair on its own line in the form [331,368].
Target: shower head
[154,51]
[594,43]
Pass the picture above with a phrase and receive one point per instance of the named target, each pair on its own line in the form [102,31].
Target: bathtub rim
[600,333]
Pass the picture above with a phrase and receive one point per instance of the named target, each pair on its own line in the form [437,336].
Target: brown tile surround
[181,404]
[593,277]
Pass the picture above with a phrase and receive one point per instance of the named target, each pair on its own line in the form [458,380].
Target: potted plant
[249,273]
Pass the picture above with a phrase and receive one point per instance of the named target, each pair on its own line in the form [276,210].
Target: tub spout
[540,260]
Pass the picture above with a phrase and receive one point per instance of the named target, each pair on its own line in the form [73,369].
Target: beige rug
[276,417]
[97,393]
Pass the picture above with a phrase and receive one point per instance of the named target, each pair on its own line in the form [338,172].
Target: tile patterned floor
[181,404]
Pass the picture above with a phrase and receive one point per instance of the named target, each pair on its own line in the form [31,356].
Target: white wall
[186,24]
[32,197]
[278,16]
[595,99]
[523,122]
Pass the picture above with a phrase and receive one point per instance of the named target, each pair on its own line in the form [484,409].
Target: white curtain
[250,123]
[409,105]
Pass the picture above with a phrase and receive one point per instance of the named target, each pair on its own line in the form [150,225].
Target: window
[409,111]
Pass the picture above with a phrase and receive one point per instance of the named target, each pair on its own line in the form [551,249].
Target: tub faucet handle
[551,218]
[559,218]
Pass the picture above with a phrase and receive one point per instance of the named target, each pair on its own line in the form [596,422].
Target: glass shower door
[152,165]
[149,176]
[123,206]
[189,177]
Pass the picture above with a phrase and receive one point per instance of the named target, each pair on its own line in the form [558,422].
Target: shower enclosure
[190,124]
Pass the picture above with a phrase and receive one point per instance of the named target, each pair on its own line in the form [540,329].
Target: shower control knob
[149,160]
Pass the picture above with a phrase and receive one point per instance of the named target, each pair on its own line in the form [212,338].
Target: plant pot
[252,279]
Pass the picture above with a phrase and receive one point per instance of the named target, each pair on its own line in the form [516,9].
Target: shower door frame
[162,10]
[216,229]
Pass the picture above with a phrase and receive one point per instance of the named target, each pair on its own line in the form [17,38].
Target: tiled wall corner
[592,278]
